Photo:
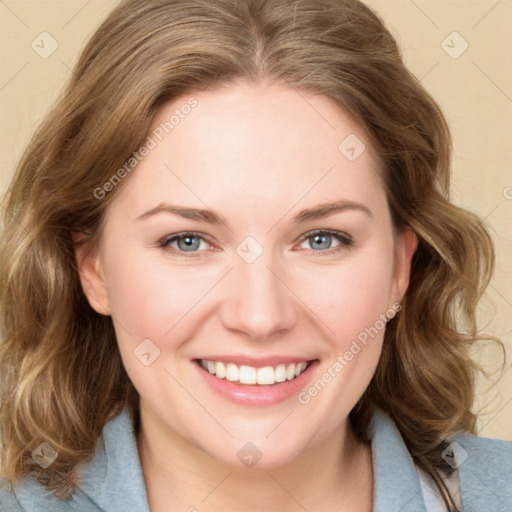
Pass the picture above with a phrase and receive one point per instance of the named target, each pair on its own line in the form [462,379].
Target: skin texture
[256,154]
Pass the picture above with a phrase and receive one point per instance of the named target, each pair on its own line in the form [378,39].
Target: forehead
[247,144]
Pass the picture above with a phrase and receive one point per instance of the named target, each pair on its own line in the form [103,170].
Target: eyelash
[346,242]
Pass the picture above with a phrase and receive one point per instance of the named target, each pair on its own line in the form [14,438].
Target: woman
[232,278]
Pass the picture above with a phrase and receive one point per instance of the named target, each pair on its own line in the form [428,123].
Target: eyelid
[340,234]
[168,239]
[346,241]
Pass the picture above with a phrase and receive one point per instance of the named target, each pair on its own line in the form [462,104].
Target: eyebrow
[211,217]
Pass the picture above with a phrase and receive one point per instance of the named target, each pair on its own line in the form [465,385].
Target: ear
[405,247]
[91,273]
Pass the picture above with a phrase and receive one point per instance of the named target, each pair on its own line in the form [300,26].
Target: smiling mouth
[250,375]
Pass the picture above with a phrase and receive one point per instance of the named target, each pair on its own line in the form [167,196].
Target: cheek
[147,295]
[150,300]
[353,297]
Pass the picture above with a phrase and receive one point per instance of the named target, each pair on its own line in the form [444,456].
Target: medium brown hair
[60,369]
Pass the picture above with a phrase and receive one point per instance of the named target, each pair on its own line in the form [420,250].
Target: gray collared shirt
[113,480]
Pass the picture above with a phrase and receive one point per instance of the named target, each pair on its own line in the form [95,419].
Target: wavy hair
[145,54]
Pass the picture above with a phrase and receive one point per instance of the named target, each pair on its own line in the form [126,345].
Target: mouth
[253,381]
[248,375]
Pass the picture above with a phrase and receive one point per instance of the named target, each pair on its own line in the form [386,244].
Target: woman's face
[250,170]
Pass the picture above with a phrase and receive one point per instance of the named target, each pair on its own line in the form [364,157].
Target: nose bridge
[259,302]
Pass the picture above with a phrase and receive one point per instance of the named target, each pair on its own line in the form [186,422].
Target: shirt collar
[114,480]
[396,481]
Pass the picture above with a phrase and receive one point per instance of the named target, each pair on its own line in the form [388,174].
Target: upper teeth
[250,375]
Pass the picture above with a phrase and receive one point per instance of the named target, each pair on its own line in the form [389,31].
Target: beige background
[473,88]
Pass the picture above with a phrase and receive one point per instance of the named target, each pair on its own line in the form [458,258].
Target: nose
[260,301]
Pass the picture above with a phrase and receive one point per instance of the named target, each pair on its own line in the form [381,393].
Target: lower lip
[256,394]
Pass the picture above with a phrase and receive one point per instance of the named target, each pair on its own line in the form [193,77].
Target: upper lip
[256,362]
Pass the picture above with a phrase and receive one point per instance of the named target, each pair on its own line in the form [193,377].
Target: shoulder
[485,469]
[28,495]
[483,476]
[111,480]
[494,455]
[8,500]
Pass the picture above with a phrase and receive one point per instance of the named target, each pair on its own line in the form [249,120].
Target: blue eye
[190,243]
[186,242]
[322,240]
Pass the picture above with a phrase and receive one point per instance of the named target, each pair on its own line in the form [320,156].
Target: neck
[334,473]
